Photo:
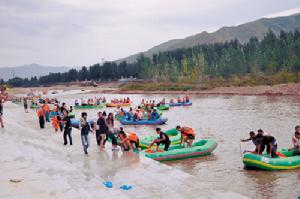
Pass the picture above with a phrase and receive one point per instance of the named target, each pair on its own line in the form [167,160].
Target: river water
[228,119]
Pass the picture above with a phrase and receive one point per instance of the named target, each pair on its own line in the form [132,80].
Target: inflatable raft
[33,106]
[75,122]
[118,104]
[173,134]
[88,106]
[71,115]
[181,104]
[159,121]
[118,116]
[200,148]
[164,107]
[285,161]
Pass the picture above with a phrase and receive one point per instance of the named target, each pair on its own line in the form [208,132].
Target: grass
[152,86]
[237,81]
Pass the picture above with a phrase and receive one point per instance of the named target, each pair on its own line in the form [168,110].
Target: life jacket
[46,108]
[55,123]
[40,112]
[188,131]
[132,137]
[122,114]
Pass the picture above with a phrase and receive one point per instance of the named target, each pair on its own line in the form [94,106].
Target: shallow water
[228,119]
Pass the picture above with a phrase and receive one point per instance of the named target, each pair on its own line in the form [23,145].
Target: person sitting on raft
[163,139]
[187,135]
[296,141]
[254,139]
[154,115]
[187,99]
[163,101]
[179,100]
[129,140]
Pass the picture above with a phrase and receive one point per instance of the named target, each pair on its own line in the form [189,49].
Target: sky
[85,32]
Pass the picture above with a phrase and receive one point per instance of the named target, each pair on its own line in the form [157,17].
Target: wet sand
[48,169]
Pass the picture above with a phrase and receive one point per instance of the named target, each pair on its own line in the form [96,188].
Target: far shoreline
[291,89]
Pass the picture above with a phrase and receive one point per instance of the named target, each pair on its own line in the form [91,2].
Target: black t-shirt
[266,140]
[161,134]
[62,109]
[67,119]
[102,125]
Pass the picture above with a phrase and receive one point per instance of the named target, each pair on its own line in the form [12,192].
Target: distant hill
[29,70]
[242,32]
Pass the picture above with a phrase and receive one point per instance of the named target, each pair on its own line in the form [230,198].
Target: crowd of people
[90,102]
[138,114]
[121,101]
[104,129]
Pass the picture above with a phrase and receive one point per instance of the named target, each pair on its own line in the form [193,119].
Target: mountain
[29,70]
[241,32]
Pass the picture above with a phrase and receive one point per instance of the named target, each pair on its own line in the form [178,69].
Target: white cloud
[284,13]
[81,32]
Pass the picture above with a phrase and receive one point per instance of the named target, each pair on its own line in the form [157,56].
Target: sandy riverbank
[114,88]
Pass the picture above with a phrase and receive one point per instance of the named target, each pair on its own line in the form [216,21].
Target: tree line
[272,54]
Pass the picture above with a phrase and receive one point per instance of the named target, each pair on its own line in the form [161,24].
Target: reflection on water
[228,119]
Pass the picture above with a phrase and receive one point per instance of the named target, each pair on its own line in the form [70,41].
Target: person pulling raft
[187,135]
[261,142]
[129,140]
[163,139]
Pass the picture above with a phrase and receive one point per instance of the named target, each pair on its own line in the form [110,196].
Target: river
[228,119]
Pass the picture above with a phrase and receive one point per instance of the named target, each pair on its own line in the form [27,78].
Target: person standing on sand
[84,126]
[47,111]
[1,112]
[41,115]
[68,128]
[25,102]
[101,131]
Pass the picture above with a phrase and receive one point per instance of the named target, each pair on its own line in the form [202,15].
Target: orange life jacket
[188,131]
[40,112]
[55,123]
[46,108]
[132,137]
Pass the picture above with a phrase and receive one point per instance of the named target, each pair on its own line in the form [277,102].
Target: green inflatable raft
[89,107]
[173,134]
[264,162]
[164,107]
[33,106]
[71,115]
[200,148]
